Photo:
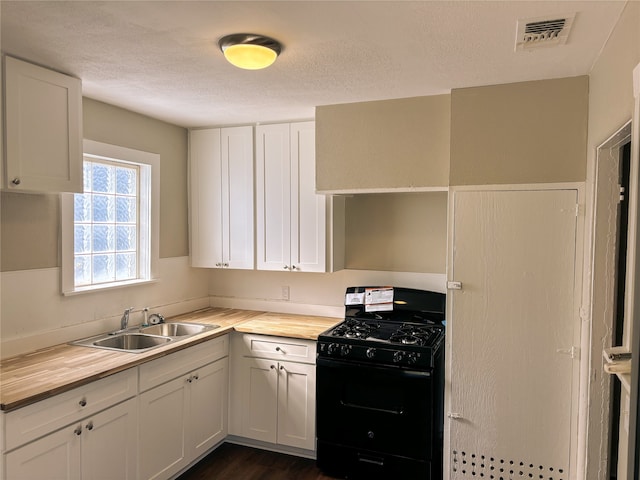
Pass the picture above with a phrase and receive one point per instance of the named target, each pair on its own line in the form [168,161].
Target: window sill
[108,286]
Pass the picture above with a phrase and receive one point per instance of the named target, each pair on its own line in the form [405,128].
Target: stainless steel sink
[145,338]
[176,329]
[131,341]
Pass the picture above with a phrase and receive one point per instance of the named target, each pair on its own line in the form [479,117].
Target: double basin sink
[145,338]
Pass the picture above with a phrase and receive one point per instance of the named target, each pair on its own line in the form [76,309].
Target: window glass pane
[103,178]
[126,268]
[126,209]
[82,239]
[103,238]
[103,268]
[82,269]
[82,207]
[103,208]
[126,237]
[126,181]
[86,173]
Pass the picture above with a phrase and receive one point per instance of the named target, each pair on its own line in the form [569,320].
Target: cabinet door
[273,197]
[297,405]
[205,172]
[161,435]
[43,129]
[237,197]
[513,380]
[308,210]
[207,414]
[109,447]
[54,457]
[259,379]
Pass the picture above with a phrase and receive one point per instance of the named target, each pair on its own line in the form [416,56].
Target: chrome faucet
[124,321]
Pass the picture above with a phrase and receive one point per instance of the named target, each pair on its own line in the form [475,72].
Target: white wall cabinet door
[43,129]
[291,218]
[511,332]
[221,191]
[297,405]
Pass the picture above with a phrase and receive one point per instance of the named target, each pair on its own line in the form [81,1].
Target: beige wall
[30,223]
[403,232]
[610,107]
[395,143]
[528,132]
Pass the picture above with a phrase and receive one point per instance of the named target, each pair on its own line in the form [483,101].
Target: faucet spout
[124,321]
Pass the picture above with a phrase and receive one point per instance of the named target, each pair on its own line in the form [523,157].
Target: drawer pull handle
[83,402]
[78,431]
[90,426]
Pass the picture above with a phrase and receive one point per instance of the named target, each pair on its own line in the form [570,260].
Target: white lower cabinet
[273,399]
[183,418]
[101,446]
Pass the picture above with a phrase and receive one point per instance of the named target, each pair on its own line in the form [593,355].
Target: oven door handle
[400,372]
[394,411]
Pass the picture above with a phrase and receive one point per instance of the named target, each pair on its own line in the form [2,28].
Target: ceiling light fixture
[249,51]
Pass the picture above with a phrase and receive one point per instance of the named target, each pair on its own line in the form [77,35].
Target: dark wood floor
[235,462]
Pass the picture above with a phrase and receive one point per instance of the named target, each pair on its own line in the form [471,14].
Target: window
[109,235]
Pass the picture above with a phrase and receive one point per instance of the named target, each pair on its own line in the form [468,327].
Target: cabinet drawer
[38,419]
[167,368]
[277,348]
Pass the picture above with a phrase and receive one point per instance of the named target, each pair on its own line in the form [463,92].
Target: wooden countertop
[34,376]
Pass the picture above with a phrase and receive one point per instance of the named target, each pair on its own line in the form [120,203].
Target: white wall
[309,293]
[35,315]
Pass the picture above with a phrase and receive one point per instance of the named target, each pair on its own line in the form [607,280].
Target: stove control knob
[332,348]
[412,357]
[397,357]
[371,352]
[344,350]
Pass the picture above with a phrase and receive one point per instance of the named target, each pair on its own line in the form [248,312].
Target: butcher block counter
[34,376]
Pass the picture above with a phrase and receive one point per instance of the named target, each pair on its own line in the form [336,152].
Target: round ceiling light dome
[250,51]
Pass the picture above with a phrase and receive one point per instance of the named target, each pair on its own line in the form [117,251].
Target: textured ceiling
[160,58]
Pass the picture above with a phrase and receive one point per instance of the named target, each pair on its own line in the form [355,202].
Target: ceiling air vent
[543,32]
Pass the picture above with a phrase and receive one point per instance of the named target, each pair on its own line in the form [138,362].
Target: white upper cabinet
[221,189]
[291,218]
[43,129]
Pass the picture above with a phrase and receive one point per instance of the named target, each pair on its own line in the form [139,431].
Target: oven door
[375,408]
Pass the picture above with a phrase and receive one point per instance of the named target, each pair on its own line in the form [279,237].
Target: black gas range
[380,386]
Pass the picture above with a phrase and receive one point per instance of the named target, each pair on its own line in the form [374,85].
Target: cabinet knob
[89,426]
[78,431]
[281,367]
[16,181]
[190,379]
[293,267]
[278,349]
[286,267]
[273,367]
[83,402]
[196,377]
[225,265]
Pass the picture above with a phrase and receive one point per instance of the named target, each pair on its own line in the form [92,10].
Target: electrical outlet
[285,292]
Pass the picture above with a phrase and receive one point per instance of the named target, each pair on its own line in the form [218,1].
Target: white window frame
[149,225]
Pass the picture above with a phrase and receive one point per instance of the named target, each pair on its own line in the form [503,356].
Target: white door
[259,399]
[273,197]
[297,404]
[237,195]
[55,457]
[109,447]
[162,410]
[308,210]
[513,379]
[207,414]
